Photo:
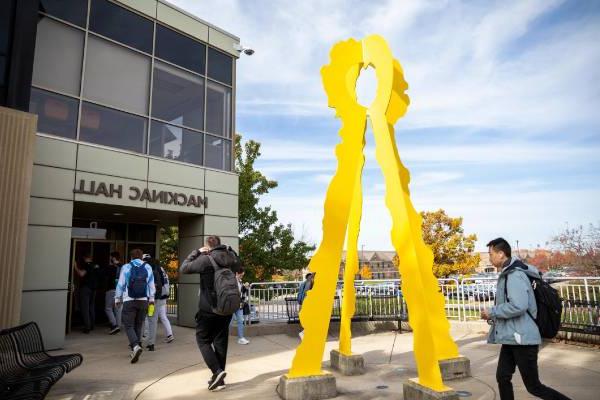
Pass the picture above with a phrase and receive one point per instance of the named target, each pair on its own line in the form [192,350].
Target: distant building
[381,264]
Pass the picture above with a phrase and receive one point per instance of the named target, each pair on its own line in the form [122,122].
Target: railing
[383,299]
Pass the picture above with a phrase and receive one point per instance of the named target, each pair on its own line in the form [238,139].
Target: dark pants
[134,313]
[87,304]
[212,335]
[525,357]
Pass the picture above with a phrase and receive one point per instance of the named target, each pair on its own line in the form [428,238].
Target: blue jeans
[239,317]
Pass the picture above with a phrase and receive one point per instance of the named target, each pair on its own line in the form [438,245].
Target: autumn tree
[169,249]
[580,247]
[267,247]
[453,251]
[365,272]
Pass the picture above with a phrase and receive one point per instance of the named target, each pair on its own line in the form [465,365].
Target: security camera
[239,48]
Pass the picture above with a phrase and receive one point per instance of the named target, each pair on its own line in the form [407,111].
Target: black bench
[26,370]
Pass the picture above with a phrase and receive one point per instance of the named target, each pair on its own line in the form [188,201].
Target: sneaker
[220,386]
[114,329]
[150,347]
[218,380]
[243,340]
[301,334]
[135,354]
[169,339]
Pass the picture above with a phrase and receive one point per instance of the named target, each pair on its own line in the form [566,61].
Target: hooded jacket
[199,263]
[512,323]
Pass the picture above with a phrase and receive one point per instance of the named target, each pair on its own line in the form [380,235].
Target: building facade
[135,106]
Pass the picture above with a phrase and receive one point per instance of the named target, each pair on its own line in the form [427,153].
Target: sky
[503,128]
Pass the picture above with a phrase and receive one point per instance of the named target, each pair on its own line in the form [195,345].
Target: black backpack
[137,283]
[226,288]
[549,305]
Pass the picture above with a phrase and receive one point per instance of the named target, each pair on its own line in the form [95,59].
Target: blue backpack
[137,283]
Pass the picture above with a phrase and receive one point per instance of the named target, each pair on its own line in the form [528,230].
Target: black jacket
[199,263]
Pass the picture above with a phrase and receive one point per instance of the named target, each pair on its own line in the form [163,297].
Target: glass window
[3,61]
[119,24]
[142,233]
[112,128]
[73,11]
[57,115]
[180,49]
[227,166]
[175,143]
[178,96]
[218,109]
[58,56]
[116,76]
[220,66]
[214,152]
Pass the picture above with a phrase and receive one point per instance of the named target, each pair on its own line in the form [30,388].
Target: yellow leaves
[365,272]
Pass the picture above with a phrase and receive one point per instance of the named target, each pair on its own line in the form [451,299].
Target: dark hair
[115,254]
[240,270]
[308,275]
[500,244]
[136,253]
[213,241]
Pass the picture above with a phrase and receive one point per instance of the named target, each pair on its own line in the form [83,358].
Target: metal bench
[26,370]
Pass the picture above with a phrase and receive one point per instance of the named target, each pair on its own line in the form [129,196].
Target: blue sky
[504,122]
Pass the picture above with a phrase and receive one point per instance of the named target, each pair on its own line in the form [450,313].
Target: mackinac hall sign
[94,188]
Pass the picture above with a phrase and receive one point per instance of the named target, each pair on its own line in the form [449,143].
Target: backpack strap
[213,262]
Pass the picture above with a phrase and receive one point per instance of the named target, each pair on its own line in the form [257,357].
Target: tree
[365,272]
[169,248]
[453,252]
[581,247]
[267,247]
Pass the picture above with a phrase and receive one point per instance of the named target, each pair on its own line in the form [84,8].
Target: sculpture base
[455,368]
[307,388]
[415,391]
[347,365]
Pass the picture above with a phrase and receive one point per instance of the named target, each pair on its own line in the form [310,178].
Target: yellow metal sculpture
[342,214]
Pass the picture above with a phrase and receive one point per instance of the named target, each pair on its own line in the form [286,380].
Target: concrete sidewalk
[176,370]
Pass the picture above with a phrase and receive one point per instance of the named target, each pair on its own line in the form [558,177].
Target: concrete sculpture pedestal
[415,391]
[347,365]
[307,388]
[455,368]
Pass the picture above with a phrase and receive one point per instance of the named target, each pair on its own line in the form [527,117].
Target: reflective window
[178,96]
[117,76]
[218,109]
[179,49]
[176,143]
[3,61]
[112,128]
[227,160]
[214,152]
[119,24]
[57,115]
[73,11]
[142,233]
[220,66]
[58,56]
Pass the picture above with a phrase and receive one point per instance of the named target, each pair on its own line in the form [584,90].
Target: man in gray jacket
[513,324]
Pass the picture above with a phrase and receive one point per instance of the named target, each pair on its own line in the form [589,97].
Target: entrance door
[100,251]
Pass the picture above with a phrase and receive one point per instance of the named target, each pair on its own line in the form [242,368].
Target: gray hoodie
[512,324]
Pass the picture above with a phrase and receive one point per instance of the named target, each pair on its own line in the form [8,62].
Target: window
[119,24]
[73,11]
[227,166]
[178,96]
[116,76]
[220,66]
[142,233]
[214,152]
[112,128]
[176,143]
[58,56]
[179,49]
[218,109]
[57,115]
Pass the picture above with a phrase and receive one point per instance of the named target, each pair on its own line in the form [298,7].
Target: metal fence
[381,299]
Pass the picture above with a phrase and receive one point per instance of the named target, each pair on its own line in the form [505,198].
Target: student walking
[239,314]
[219,298]
[135,290]
[88,271]
[302,292]
[514,325]
[161,284]
[110,277]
